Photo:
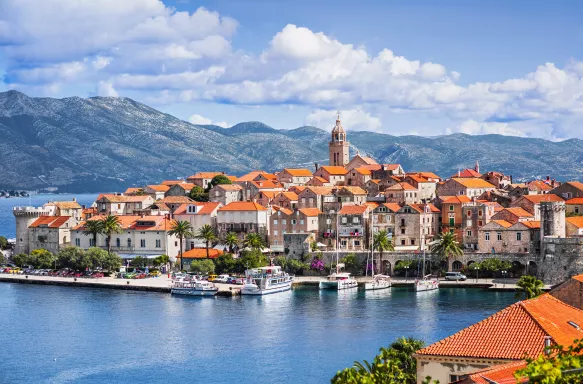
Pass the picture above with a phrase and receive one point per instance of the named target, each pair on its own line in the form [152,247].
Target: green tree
[161,260]
[21,260]
[351,262]
[110,225]
[494,264]
[181,229]
[393,365]
[226,264]
[208,234]
[3,243]
[139,262]
[198,194]
[219,179]
[296,267]
[71,257]
[204,267]
[531,286]
[446,247]
[254,241]
[41,258]
[112,262]
[97,257]
[250,259]
[92,228]
[559,365]
[232,241]
[382,243]
[281,261]
[314,246]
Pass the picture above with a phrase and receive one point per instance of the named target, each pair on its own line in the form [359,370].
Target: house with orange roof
[569,190]
[174,202]
[513,215]
[251,176]
[316,197]
[64,208]
[531,203]
[358,176]
[521,329]
[497,179]
[469,186]
[501,236]
[318,181]
[452,218]
[115,204]
[297,189]
[335,175]
[286,221]
[179,189]
[359,160]
[574,226]
[385,171]
[142,235]
[377,187]
[156,191]
[475,216]
[134,191]
[172,182]
[199,254]
[203,179]
[574,206]
[294,176]
[264,198]
[468,173]
[569,291]
[242,217]
[197,214]
[500,196]
[51,233]
[287,200]
[416,224]
[354,227]
[383,218]
[402,193]
[350,195]
[426,187]
[501,374]
[226,193]
[251,188]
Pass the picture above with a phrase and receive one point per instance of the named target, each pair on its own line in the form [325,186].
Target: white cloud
[106,89]
[201,120]
[352,119]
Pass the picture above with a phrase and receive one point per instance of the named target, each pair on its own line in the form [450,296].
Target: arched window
[117,242]
[129,243]
[456,265]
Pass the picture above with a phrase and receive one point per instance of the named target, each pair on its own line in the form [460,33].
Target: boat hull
[426,287]
[338,285]
[254,290]
[373,286]
[194,292]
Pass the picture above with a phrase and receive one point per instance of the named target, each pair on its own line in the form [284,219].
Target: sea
[54,334]
[7,223]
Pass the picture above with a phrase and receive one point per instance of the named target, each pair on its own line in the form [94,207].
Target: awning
[133,256]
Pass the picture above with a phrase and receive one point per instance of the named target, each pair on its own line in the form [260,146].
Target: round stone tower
[25,216]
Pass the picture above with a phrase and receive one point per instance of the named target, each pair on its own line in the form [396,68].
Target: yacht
[266,280]
[428,283]
[339,280]
[193,288]
[378,282]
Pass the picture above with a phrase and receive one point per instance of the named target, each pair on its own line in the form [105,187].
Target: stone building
[354,227]
[180,189]
[552,218]
[287,200]
[226,193]
[384,218]
[574,226]
[335,175]
[114,204]
[497,179]
[500,236]
[570,291]
[385,171]
[156,191]
[531,203]
[475,216]
[243,217]
[414,224]
[51,233]
[315,197]
[426,187]
[294,176]
[513,215]
[402,193]
[470,186]
[452,218]
[203,179]
[361,161]
[358,177]
[569,190]
[339,147]
[197,214]
[574,206]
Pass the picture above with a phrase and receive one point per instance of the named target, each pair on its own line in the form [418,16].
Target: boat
[193,288]
[378,282]
[338,280]
[266,280]
[428,283]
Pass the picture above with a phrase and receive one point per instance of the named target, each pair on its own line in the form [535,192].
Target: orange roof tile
[502,223]
[205,175]
[577,221]
[297,189]
[518,211]
[135,222]
[205,208]
[429,175]
[292,196]
[243,206]
[500,374]
[172,182]
[456,199]
[297,172]
[122,199]
[575,201]
[471,182]
[267,184]
[250,176]
[418,178]
[392,206]
[320,190]
[158,188]
[176,200]
[540,198]
[277,208]
[334,170]
[67,204]
[514,331]
[354,190]
[354,209]
[538,184]
[132,190]
[320,179]
[50,221]
[310,212]
[231,177]
[578,278]
[467,173]
[200,253]
[363,171]
[531,224]
[576,184]
[229,187]
[402,185]
[268,194]
[372,204]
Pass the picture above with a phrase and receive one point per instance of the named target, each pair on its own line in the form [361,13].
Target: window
[469,233]
[451,207]
[355,220]
[576,209]
[294,221]
[158,243]
[117,242]
[499,236]
[91,242]
[451,231]
[143,243]
[468,223]
[480,212]
[480,223]
[78,242]
[357,243]
[402,231]
[275,221]
[451,221]
[129,243]
[518,236]
[284,221]
[469,213]
[328,221]
[402,241]
[343,243]
[344,220]
[454,378]
[412,241]
[275,233]
[402,222]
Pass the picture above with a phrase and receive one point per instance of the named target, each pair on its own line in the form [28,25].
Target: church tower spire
[339,147]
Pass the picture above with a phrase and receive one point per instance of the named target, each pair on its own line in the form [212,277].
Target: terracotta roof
[187,187]
[172,182]
[579,278]
[456,199]
[147,223]
[229,187]
[176,200]
[514,331]
[530,224]
[418,178]
[354,209]
[320,179]
[502,223]
[518,211]
[390,167]
[320,190]
[67,204]
[200,253]
[243,206]
[158,188]
[268,194]
[575,201]
[576,184]
[497,206]
[132,190]
[540,198]
[372,204]
[277,208]
[421,208]
[310,211]
[363,171]
[376,181]
[471,182]
[354,190]
[538,185]
[231,177]
[577,221]
[123,199]
[392,206]
[297,172]
[250,176]
[49,221]
[297,188]
[267,184]
[160,207]
[404,186]
[334,170]
[205,175]
[292,196]
[205,208]
[467,173]
[499,374]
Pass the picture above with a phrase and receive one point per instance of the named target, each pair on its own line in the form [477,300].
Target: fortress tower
[552,219]
[338,146]
[25,216]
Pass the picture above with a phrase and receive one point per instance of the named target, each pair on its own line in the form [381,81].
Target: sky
[399,67]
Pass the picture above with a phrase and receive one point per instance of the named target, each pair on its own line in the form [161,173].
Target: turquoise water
[7,223]
[65,335]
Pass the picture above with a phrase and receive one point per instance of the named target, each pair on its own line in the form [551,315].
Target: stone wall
[560,259]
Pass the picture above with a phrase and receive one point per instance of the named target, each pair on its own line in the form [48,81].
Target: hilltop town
[339,205]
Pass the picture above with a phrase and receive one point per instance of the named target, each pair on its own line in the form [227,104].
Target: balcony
[328,235]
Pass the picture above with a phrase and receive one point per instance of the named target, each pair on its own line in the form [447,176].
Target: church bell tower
[338,146]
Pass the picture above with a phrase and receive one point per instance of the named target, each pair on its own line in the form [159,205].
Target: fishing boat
[193,288]
[266,280]
[338,280]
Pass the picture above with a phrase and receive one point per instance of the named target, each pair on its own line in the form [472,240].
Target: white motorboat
[266,280]
[428,283]
[193,288]
[378,282]
[338,281]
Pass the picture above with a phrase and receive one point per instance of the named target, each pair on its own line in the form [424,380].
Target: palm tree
[531,286]
[93,227]
[254,241]
[382,243]
[232,241]
[208,234]
[110,225]
[181,229]
[446,246]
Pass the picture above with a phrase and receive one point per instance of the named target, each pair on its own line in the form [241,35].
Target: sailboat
[378,281]
[338,280]
[429,282]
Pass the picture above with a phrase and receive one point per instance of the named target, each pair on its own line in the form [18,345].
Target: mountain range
[108,143]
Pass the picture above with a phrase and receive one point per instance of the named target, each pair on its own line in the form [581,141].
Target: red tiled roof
[176,200]
[514,331]
[200,253]
[467,173]
[250,176]
[310,211]
[577,221]
[50,221]
[363,171]
[267,184]
[334,170]
[456,199]
[229,187]
[540,198]
[471,182]
[292,196]
[354,209]
[392,206]
[203,208]
[297,172]
[158,188]
[132,190]
[67,204]
[243,206]
[518,211]
[575,201]
[499,374]
[402,185]
[502,223]
[354,190]
[281,209]
[320,190]
[576,184]
[158,222]
[320,179]
[172,182]
[205,175]
[531,224]
[538,184]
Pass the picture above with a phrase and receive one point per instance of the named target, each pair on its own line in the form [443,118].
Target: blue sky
[400,67]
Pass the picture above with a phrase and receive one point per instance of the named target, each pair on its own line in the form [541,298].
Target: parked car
[212,277]
[238,281]
[16,271]
[455,276]
[155,273]
[221,279]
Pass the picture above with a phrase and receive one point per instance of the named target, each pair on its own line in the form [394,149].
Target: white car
[221,279]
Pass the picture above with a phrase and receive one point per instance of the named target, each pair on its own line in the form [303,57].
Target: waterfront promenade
[163,283]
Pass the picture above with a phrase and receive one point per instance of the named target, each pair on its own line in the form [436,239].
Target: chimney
[548,178]
[459,173]
[316,165]
[83,206]
[74,199]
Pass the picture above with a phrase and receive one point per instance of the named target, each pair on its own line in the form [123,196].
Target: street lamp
[504,276]
[406,271]
[477,269]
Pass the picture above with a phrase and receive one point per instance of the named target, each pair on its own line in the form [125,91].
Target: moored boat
[193,288]
[338,281]
[428,283]
[378,282]
[266,280]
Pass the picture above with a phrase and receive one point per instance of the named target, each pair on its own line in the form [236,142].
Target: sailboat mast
[337,239]
[371,244]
